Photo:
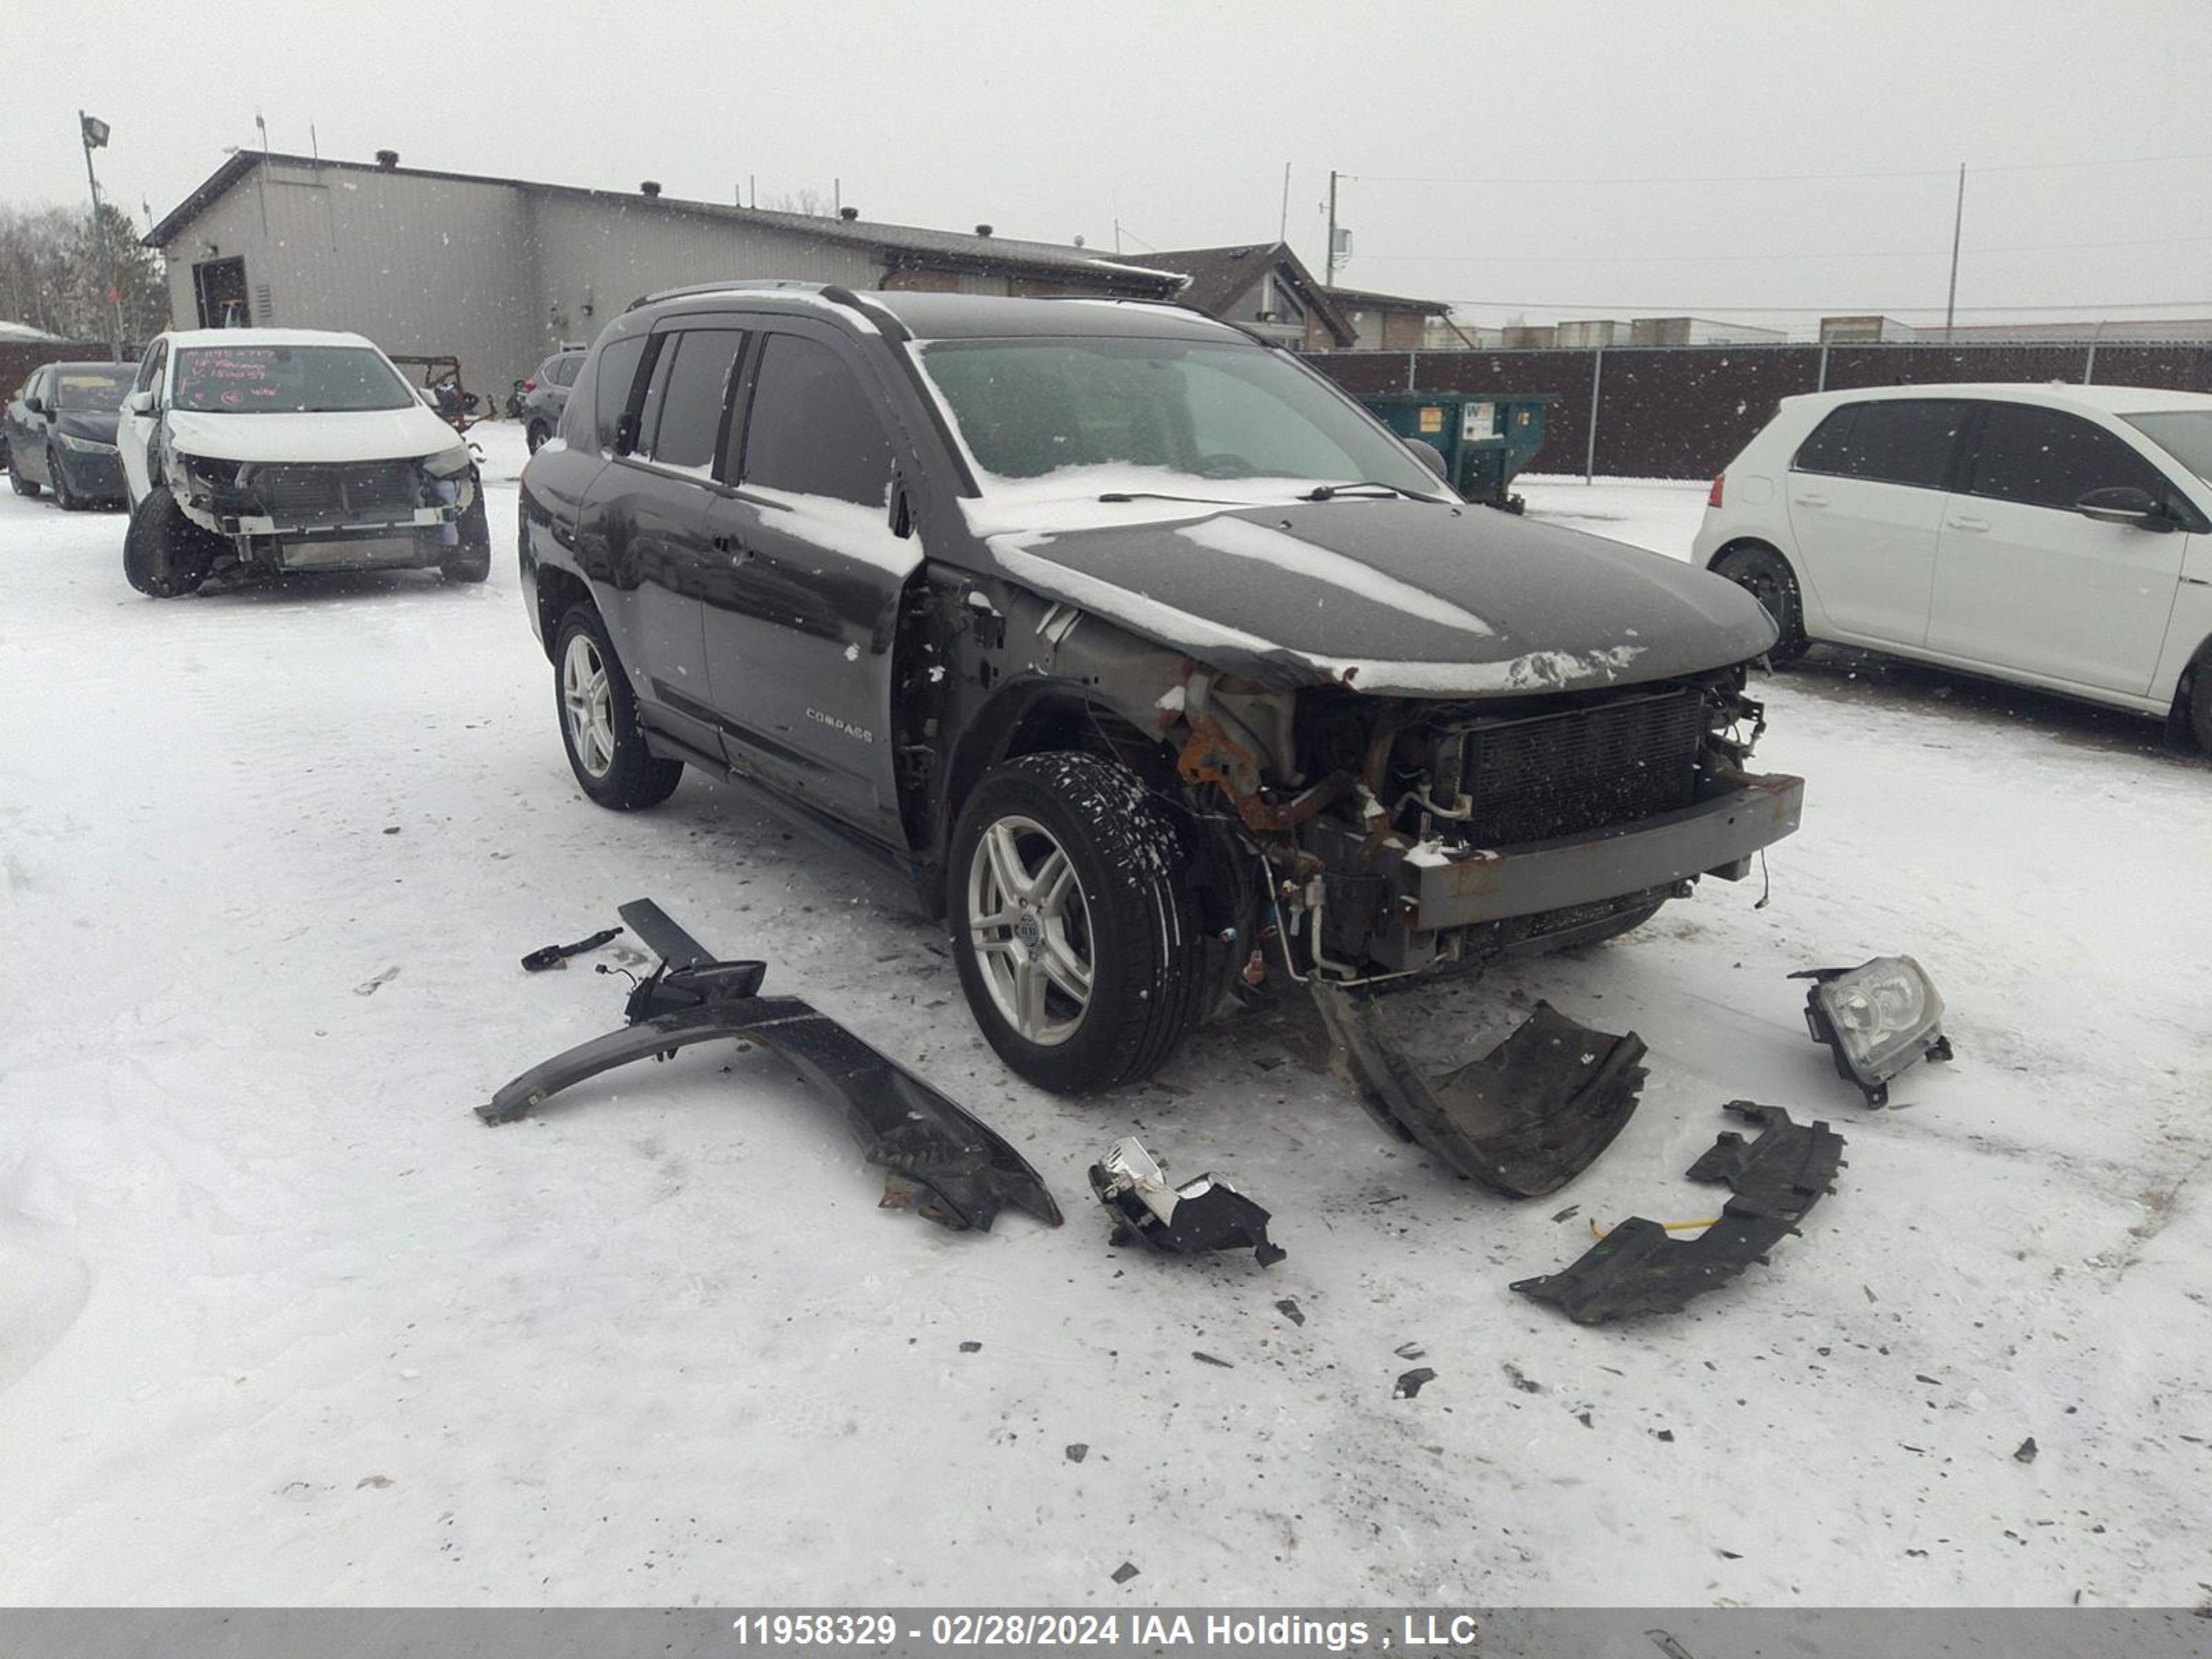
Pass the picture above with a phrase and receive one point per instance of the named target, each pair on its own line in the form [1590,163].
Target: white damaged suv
[290,449]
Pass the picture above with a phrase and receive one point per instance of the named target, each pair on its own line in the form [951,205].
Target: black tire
[165,554]
[1139,921]
[65,498]
[535,435]
[472,561]
[631,777]
[2200,705]
[1767,576]
[18,483]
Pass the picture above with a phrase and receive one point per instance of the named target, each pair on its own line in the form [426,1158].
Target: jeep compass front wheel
[599,719]
[1080,947]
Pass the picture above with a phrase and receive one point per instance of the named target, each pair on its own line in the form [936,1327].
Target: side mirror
[2124,504]
[429,397]
[36,405]
[1430,457]
[138,403]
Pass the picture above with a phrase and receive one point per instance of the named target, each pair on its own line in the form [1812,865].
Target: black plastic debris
[1289,1310]
[2026,1452]
[1205,1213]
[1877,1018]
[1526,1118]
[961,1172]
[1411,1383]
[556,956]
[1078,1451]
[1124,1573]
[1208,1359]
[1638,1269]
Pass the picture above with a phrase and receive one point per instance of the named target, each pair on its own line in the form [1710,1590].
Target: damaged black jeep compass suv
[1156,664]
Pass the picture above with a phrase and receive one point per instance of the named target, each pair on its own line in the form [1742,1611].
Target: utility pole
[94,133]
[1283,230]
[1958,223]
[1329,277]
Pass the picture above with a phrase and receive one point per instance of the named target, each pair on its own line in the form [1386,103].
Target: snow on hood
[1395,597]
[363,435]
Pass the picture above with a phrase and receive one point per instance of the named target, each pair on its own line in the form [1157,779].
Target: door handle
[1975,525]
[1810,501]
[738,550]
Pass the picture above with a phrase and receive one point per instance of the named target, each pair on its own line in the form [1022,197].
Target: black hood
[1398,597]
[97,425]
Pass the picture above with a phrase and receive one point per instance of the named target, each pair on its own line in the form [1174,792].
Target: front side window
[813,429]
[2186,434]
[2047,457]
[92,386]
[617,373]
[694,367]
[1181,413]
[1905,441]
[149,369]
[286,379]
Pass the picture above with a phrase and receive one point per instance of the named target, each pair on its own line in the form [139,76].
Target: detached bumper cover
[1637,1269]
[958,1172]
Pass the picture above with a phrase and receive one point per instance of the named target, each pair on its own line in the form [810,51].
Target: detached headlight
[1879,1018]
[448,463]
[83,446]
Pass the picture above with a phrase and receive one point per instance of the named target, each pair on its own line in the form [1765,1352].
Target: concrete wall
[419,265]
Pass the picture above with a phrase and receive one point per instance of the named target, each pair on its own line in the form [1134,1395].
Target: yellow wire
[1670,1226]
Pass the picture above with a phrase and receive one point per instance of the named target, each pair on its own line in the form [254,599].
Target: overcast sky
[1053,120]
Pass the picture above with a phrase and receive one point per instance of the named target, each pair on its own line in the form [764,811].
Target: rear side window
[690,424]
[617,375]
[2047,457]
[1907,440]
[813,429]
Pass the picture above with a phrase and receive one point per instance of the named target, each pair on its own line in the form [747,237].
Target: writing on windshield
[285,380]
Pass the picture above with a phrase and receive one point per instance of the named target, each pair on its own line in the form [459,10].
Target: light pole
[93,132]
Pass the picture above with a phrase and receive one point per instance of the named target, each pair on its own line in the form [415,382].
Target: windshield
[2184,433]
[92,386]
[286,379]
[1159,415]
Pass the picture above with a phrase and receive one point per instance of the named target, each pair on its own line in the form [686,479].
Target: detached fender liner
[1526,1118]
[1637,1268]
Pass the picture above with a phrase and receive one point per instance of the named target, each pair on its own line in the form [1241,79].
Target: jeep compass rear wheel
[599,719]
[1077,943]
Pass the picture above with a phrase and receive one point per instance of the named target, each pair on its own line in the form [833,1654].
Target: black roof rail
[1174,305]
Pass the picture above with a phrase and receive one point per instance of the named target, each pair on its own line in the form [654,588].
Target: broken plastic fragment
[1205,1213]
[1637,1269]
[1526,1118]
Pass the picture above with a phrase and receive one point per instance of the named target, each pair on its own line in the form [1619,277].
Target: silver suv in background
[545,394]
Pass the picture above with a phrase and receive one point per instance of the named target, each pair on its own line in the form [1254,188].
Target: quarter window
[1905,441]
[617,373]
[813,429]
[2047,457]
[692,407]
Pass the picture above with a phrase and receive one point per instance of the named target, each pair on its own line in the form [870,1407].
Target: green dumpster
[1487,439]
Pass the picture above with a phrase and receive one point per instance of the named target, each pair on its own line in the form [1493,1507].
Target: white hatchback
[2057,536]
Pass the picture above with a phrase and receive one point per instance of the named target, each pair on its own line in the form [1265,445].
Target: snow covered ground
[281,1321]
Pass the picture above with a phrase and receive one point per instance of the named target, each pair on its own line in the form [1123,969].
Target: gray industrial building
[499,271]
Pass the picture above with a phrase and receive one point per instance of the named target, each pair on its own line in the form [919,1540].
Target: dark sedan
[60,434]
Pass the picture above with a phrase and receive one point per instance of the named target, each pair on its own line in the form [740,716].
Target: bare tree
[51,276]
[807,200]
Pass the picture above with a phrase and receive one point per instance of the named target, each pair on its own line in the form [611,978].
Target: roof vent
[650,187]
[848,213]
[982,230]
[1078,241]
[387,159]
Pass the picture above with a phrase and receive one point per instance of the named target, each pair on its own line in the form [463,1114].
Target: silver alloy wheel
[589,702]
[1030,929]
